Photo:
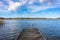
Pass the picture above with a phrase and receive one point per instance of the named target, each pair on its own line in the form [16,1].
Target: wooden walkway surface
[30,34]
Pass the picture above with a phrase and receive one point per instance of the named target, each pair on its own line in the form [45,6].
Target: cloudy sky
[30,8]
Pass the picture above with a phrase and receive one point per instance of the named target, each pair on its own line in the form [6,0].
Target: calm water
[10,29]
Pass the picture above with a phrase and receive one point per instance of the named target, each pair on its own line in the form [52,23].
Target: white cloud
[13,6]
[23,1]
[31,2]
[3,7]
[1,3]
[8,0]
[39,8]
[41,1]
[45,4]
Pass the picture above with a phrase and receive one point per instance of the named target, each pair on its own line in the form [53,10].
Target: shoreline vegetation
[29,18]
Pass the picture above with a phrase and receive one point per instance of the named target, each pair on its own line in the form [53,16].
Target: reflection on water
[10,29]
[1,24]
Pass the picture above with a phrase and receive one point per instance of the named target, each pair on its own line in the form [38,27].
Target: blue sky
[30,8]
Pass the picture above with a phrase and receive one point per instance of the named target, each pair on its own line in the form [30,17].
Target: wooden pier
[30,34]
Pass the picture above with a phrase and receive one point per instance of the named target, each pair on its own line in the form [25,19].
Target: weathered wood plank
[30,34]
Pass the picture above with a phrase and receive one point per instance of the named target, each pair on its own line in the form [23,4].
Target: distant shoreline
[30,18]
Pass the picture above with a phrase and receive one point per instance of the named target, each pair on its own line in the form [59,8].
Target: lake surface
[10,29]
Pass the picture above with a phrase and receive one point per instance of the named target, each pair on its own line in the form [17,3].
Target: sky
[30,8]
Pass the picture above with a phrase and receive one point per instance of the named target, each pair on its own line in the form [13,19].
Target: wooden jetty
[30,34]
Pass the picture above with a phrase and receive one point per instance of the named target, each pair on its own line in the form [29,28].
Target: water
[10,29]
